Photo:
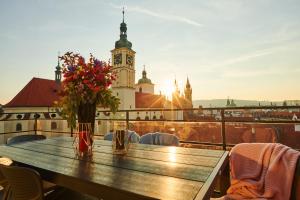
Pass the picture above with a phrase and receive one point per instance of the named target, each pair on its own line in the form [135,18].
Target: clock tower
[123,62]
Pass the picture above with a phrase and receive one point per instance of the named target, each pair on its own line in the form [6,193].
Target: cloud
[168,17]
[266,72]
[249,56]
[246,57]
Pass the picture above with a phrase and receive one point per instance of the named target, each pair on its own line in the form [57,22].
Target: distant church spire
[58,71]
[188,91]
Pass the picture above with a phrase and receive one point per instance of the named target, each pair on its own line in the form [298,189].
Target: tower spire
[123,42]
[58,55]
[123,14]
[144,73]
[188,85]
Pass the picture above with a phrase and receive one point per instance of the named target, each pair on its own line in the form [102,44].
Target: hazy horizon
[229,48]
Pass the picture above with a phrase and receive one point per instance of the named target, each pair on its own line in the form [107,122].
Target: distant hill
[222,103]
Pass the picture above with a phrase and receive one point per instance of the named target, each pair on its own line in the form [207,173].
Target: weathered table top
[145,172]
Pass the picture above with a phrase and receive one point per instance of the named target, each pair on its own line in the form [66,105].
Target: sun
[167,88]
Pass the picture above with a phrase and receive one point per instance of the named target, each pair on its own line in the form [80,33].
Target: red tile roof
[37,93]
[147,100]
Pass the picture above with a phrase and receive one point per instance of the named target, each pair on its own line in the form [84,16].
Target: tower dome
[144,78]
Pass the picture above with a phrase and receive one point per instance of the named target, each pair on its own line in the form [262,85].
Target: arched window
[53,125]
[140,89]
[19,127]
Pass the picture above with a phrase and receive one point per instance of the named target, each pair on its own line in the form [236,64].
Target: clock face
[129,59]
[118,59]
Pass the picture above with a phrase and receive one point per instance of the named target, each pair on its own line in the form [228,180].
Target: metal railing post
[223,129]
[127,120]
[35,124]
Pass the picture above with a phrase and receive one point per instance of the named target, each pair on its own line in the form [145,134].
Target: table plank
[158,148]
[183,171]
[139,183]
[170,156]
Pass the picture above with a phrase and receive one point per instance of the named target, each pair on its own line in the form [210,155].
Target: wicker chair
[3,181]
[26,184]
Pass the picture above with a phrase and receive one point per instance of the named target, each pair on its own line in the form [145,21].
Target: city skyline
[241,49]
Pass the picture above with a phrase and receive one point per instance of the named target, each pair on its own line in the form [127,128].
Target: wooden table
[146,172]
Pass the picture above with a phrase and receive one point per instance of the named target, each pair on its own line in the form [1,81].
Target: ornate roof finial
[123,14]
[144,73]
[58,55]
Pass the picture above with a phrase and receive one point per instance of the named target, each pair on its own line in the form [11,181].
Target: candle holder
[83,140]
[120,142]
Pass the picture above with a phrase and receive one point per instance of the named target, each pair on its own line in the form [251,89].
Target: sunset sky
[244,49]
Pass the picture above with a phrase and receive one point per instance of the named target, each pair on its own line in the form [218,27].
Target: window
[53,125]
[140,90]
[19,127]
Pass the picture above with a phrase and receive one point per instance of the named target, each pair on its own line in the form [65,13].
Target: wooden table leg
[225,179]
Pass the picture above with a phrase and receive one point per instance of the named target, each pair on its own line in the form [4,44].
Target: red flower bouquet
[86,84]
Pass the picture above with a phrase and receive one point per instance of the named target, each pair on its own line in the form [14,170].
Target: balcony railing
[209,127]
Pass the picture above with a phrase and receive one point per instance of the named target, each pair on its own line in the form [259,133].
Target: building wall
[146,88]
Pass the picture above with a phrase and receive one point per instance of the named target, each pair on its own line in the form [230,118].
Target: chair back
[108,136]
[158,138]
[147,139]
[25,183]
[166,139]
[134,137]
[24,138]
[295,193]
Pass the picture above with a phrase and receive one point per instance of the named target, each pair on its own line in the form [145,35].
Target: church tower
[58,73]
[123,62]
[188,91]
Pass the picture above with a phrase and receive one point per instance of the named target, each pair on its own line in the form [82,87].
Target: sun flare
[167,88]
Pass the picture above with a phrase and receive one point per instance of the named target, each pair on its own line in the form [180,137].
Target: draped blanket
[261,171]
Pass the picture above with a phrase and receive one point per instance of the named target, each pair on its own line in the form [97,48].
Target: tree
[284,103]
